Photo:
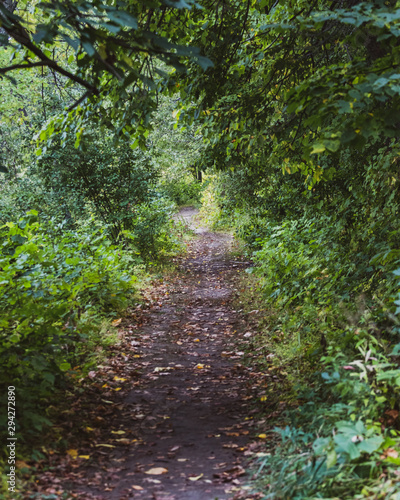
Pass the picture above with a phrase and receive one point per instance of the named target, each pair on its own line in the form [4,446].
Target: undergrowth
[324,291]
[62,292]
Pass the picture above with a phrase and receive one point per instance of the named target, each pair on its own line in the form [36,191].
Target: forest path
[173,415]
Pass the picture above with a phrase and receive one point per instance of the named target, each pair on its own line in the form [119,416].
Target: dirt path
[173,413]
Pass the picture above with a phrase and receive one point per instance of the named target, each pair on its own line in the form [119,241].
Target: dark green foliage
[110,181]
[54,286]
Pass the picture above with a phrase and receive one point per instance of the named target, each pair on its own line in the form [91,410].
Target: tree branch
[20,35]
[81,99]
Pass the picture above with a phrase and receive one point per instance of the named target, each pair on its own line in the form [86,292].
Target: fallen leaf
[116,322]
[72,453]
[119,379]
[389,452]
[123,441]
[106,445]
[118,432]
[86,457]
[135,487]
[157,471]
[199,366]
[262,436]
[196,478]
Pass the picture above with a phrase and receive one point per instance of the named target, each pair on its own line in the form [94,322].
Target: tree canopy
[111,111]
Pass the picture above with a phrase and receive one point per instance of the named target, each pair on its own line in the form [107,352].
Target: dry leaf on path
[157,471]
[196,478]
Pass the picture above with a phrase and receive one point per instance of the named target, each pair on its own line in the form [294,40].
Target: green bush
[340,442]
[53,282]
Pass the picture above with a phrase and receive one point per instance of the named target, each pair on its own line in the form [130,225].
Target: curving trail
[178,429]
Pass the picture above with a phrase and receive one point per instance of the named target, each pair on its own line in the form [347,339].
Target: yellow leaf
[263,398]
[86,457]
[116,322]
[117,432]
[89,429]
[196,478]
[72,453]
[157,471]
[262,436]
[106,445]
[196,340]
[137,356]
[117,388]
[119,379]
[200,366]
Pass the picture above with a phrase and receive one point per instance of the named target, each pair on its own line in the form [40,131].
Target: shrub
[52,282]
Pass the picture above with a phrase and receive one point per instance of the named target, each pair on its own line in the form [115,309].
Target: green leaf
[318,147]
[371,444]
[344,443]
[64,367]
[204,62]
[3,169]
[331,459]
[332,145]
[89,48]
[122,18]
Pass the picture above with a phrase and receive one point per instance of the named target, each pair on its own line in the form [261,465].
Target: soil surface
[169,416]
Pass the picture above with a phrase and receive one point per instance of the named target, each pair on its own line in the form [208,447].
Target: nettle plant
[52,282]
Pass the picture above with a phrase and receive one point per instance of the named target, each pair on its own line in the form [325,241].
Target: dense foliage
[300,127]
[293,109]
